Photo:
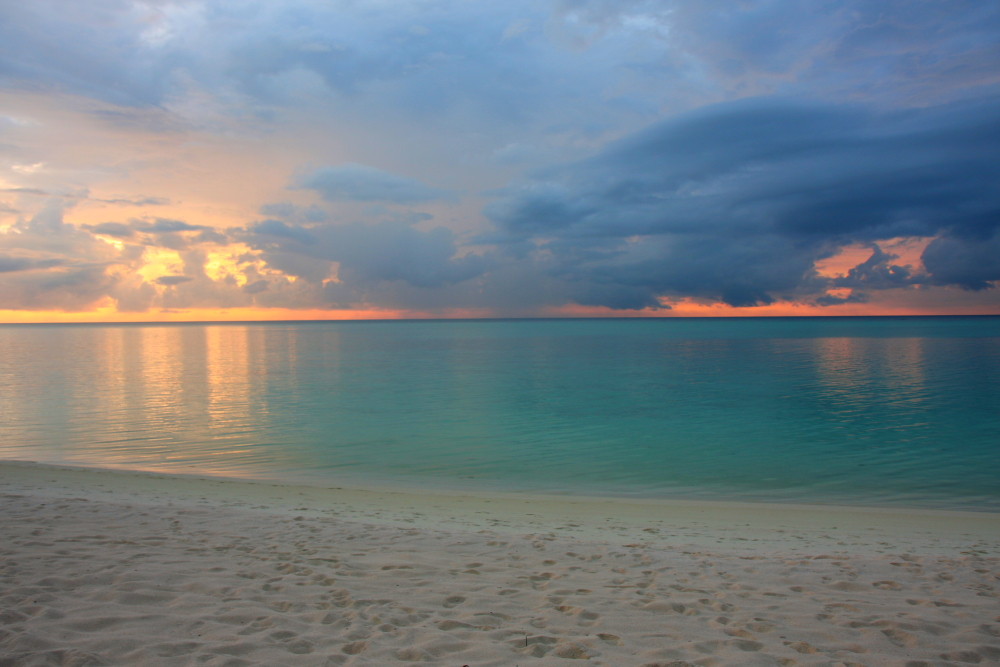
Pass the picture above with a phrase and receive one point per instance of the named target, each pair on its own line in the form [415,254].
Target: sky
[343,159]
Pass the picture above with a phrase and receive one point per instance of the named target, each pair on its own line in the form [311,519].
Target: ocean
[899,411]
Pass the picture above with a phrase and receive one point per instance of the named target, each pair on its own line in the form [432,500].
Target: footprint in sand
[586,617]
[900,638]
[453,601]
[970,657]
[802,647]
[572,651]
[536,646]
[453,625]
[354,648]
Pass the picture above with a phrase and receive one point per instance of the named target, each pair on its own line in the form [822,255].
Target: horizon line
[500,319]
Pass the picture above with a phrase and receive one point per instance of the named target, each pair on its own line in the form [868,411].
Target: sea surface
[900,411]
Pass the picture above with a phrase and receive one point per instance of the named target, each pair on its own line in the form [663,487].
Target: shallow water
[870,411]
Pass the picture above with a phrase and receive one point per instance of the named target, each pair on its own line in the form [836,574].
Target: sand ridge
[114,568]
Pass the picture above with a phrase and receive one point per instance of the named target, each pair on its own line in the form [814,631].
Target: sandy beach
[118,568]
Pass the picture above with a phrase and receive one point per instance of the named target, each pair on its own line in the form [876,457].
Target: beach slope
[118,568]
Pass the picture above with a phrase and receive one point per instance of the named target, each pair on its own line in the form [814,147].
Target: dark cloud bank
[738,201]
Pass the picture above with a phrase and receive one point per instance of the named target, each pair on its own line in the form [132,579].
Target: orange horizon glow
[693,308]
[677,309]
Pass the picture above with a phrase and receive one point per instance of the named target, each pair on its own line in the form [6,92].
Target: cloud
[164,232]
[173,280]
[9,264]
[878,272]
[50,264]
[116,229]
[293,213]
[524,67]
[94,49]
[218,58]
[46,235]
[68,288]
[76,194]
[968,262]
[256,287]
[886,52]
[35,191]
[738,201]
[165,225]
[366,254]
[276,229]
[136,201]
[360,183]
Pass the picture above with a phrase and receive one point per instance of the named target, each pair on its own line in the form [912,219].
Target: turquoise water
[868,411]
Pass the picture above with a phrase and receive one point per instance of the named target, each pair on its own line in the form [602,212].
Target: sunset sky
[310,159]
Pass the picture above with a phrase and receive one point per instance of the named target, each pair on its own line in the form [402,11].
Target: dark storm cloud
[737,201]
[969,262]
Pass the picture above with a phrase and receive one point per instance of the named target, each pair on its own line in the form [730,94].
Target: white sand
[103,567]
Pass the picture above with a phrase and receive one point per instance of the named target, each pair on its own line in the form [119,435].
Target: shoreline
[594,516]
[104,566]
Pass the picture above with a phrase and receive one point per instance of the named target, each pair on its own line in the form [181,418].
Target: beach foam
[111,567]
